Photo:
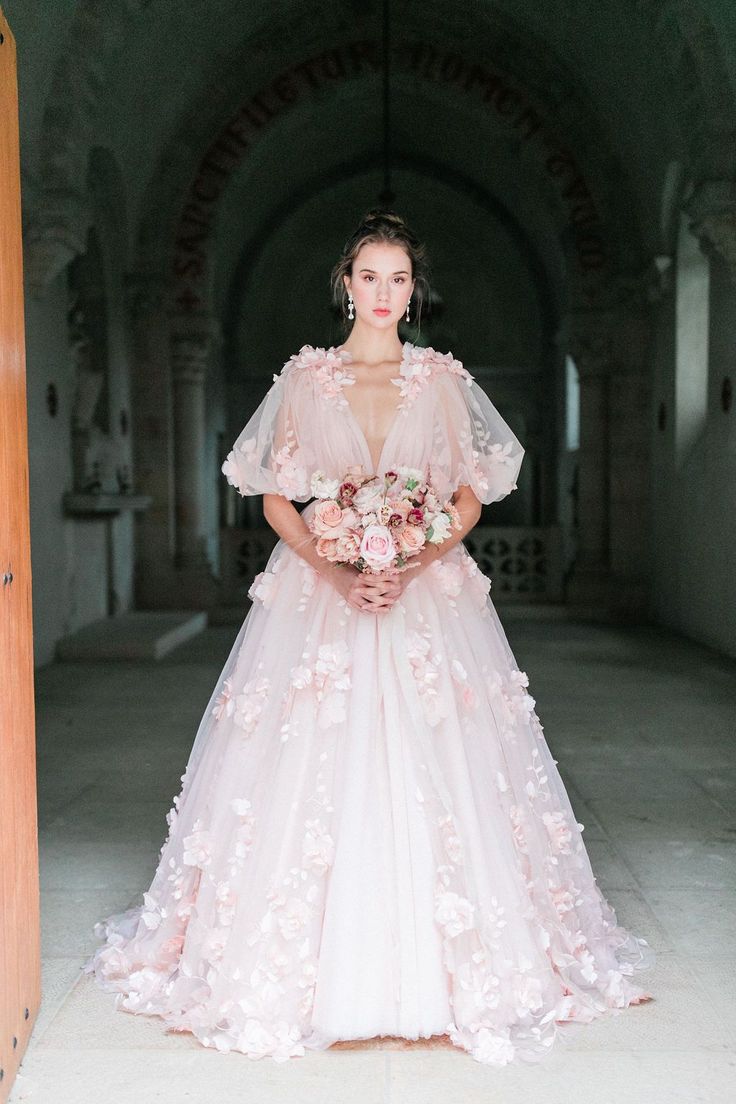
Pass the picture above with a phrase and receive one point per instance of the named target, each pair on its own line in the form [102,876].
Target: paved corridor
[643,724]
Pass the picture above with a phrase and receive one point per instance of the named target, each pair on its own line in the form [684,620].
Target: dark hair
[381,225]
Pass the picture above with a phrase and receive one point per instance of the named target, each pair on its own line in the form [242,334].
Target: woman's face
[381,281]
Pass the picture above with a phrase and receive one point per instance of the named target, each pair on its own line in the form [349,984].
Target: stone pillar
[611,350]
[586,335]
[629,442]
[152,438]
[193,340]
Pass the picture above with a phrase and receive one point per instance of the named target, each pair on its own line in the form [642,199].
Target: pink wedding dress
[372,837]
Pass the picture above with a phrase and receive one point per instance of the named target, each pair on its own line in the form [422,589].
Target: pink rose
[377,546]
[410,539]
[327,515]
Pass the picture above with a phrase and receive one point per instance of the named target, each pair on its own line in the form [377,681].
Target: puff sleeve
[473,445]
[271,454]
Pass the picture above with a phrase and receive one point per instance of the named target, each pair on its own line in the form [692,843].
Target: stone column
[586,335]
[152,439]
[629,441]
[193,341]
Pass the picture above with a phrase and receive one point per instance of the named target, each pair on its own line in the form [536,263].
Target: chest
[376,419]
[374,406]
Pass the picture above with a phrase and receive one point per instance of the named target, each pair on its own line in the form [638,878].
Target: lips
[381,311]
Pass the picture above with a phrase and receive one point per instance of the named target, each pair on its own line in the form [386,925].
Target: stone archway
[183,300]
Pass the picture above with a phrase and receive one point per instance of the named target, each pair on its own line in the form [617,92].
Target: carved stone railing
[524,563]
[243,553]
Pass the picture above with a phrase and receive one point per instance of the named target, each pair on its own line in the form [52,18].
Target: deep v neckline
[346,358]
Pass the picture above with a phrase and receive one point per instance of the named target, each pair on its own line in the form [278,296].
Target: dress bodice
[444,425]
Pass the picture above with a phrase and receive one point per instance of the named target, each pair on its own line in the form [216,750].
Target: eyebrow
[398,272]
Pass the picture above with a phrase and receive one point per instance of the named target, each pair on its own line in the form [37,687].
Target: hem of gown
[286,1042]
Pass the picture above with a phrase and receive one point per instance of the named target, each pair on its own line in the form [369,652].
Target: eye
[367,277]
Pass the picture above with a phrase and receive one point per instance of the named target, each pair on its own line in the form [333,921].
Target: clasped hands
[373,593]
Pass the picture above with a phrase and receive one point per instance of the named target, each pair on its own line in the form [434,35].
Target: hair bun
[378,214]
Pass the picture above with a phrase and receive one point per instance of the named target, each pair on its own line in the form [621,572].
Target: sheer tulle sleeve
[271,455]
[473,444]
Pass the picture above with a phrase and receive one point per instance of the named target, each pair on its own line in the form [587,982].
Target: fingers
[384,590]
[376,593]
[382,584]
[372,601]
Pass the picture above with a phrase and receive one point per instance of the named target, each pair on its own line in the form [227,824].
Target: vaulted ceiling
[562,129]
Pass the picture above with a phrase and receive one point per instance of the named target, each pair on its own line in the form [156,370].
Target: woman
[372,837]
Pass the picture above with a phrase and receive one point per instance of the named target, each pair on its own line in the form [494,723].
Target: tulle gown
[372,837]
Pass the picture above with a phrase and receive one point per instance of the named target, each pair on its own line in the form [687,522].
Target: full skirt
[371,839]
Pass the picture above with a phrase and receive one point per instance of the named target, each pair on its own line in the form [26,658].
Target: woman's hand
[366,592]
[386,587]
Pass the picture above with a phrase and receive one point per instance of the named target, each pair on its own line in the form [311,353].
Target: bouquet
[377,523]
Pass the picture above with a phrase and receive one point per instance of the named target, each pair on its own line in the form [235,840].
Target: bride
[372,837]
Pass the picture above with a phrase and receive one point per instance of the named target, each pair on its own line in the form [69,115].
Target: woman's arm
[468,507]
[287,523]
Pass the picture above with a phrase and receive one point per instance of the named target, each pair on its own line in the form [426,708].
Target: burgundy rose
[415,517]
[347,490]
[395,520]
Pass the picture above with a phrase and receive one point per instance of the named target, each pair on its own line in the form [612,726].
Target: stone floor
[643,724]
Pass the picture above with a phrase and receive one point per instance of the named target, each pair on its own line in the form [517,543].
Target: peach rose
[347,547]
[327,515]
[350,520]
[410,539]
[327,547]
[402,506]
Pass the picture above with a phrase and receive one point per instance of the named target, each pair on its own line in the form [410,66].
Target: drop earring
[350,305]
[407,309]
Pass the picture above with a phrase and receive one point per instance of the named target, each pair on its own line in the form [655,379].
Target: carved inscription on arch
[344,63]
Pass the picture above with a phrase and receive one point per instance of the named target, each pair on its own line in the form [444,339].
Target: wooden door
[20,952]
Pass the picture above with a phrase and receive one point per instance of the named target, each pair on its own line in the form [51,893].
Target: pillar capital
[712,212]
[193,340]
[55,234]
[586,335]
[658,278]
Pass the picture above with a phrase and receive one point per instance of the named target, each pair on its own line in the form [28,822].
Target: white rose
[322,487]
[368,498]
[440,528]
[411,473]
